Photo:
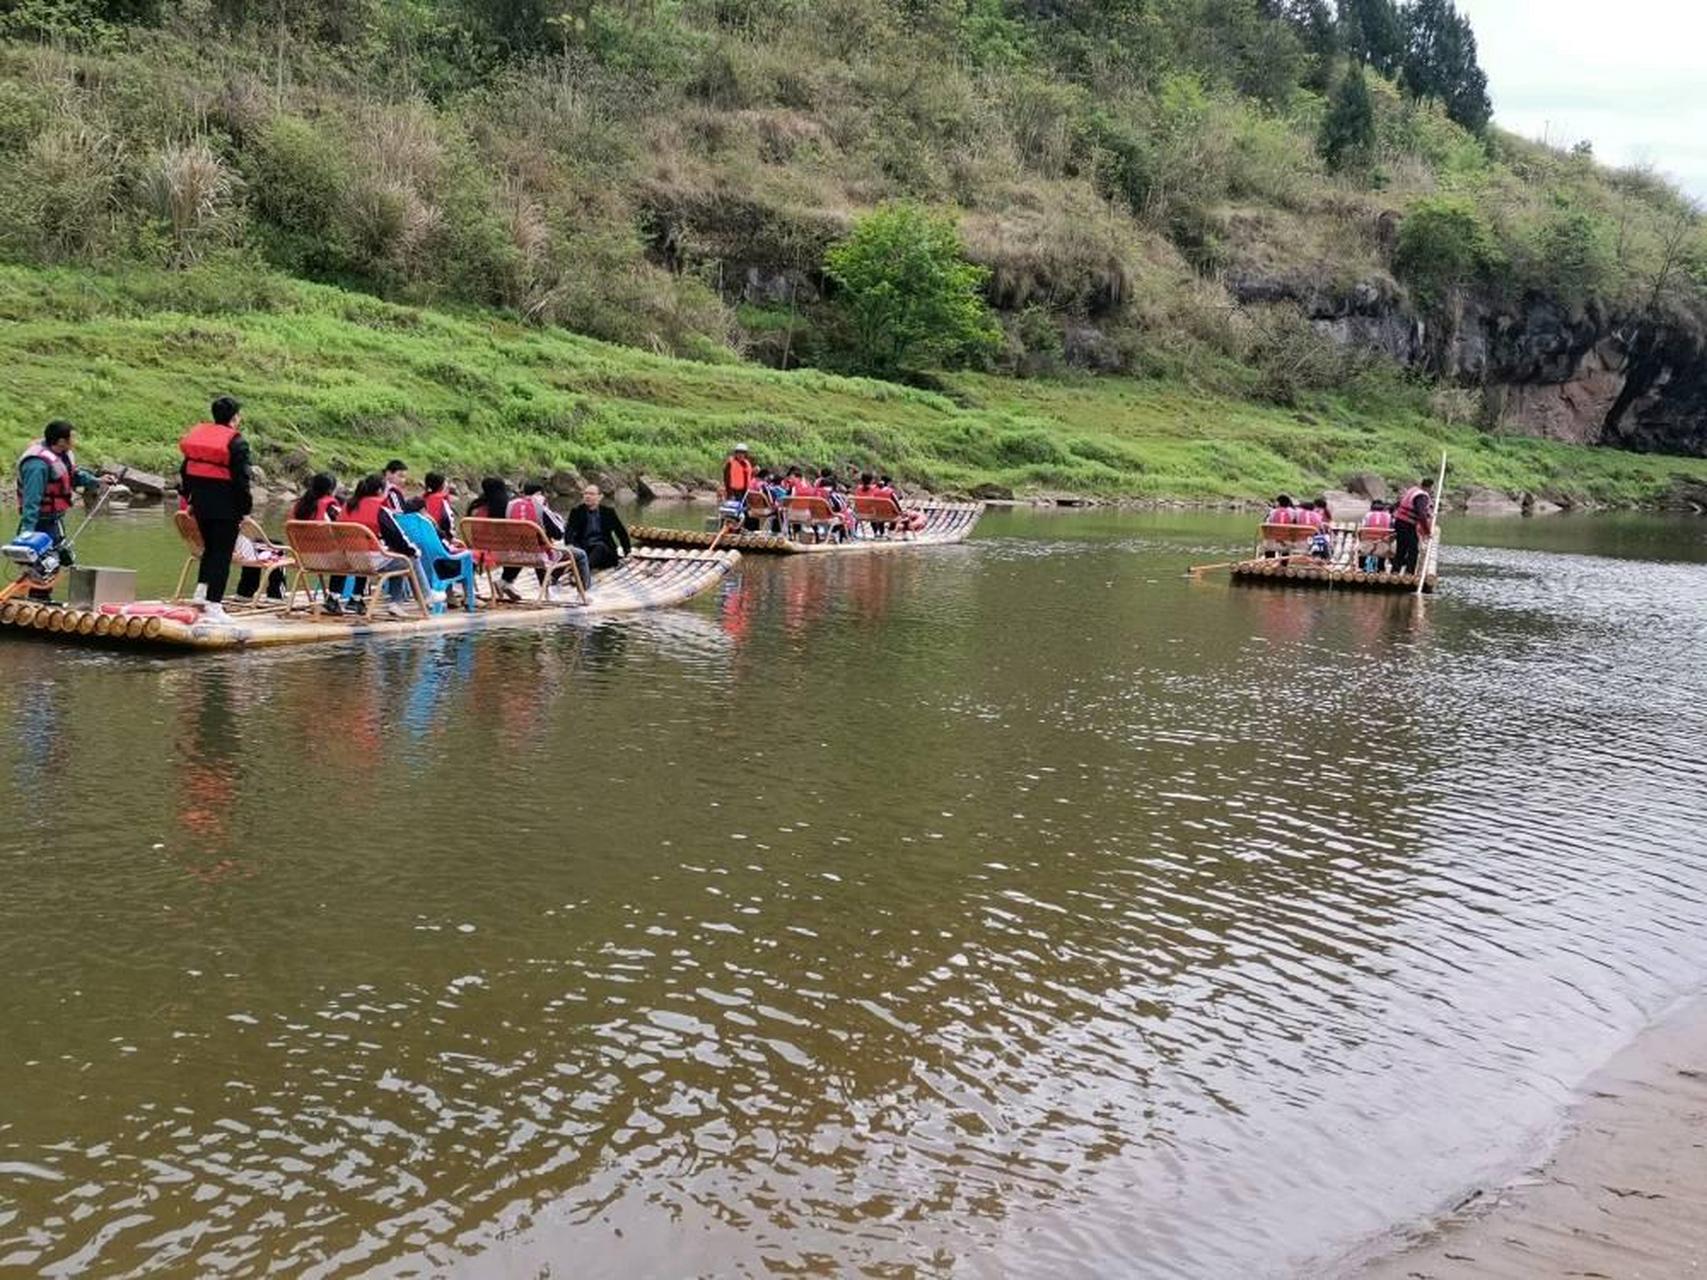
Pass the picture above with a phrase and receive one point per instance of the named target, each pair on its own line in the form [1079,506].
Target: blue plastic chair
[430,549]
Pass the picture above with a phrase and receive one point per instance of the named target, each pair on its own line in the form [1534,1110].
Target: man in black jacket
[597,530]
[214,477]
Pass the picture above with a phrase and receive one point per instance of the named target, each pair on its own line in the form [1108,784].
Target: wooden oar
[1205,568]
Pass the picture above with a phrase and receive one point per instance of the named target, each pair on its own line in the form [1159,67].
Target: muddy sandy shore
[1622,1196]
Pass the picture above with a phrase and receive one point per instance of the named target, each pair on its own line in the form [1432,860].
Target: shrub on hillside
[1444,244]
[192,193]
[910,297]
[299,175]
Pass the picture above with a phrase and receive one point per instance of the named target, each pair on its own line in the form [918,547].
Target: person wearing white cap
[737,474]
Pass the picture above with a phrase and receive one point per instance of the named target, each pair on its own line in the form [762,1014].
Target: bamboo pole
[1433,551]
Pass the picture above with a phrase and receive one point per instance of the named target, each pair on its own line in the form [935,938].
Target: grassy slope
[350,380]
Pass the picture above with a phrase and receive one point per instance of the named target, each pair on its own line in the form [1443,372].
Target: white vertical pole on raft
[1432,554]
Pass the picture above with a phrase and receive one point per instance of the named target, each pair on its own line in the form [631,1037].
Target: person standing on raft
[215,477]
[737,474]
[48,480]
[1413,520]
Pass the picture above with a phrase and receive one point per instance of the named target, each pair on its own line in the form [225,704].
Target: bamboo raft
[649,579]
[1301,572]
[945,523]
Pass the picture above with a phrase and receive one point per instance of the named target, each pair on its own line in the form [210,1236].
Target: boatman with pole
[48,481]
[737,474]
[215,478]
[1413,520]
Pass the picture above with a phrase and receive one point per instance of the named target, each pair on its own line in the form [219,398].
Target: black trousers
[249,582]
[219,540]
[1405,544]
[601,555]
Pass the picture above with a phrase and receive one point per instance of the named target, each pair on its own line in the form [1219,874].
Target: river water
[1018,908]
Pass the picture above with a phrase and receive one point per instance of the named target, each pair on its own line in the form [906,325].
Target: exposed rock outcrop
[1586,376]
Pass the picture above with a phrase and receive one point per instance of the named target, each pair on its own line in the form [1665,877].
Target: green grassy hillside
[341,381]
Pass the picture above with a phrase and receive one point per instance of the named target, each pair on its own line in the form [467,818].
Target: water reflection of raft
[1299,572]
[649,579]
[945,522]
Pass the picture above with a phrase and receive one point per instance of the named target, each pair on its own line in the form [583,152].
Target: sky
[1630,77]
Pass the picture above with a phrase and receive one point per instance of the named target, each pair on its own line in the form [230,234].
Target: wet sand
[1623,1195]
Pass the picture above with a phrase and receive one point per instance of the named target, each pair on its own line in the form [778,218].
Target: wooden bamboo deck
[649,579]
[1317,573]
[945,522]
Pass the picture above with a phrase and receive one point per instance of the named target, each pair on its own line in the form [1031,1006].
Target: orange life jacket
[737,475]
[207,451]
[1281,515]
[326,508]
[1378,520]
[61,486]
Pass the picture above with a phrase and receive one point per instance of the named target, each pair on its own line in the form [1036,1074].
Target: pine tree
[1371,31]
[1440,62]
[1347,137]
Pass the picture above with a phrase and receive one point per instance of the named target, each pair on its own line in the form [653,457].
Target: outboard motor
[35,555]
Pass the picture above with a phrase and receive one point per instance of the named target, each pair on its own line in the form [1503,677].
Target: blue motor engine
[35,555]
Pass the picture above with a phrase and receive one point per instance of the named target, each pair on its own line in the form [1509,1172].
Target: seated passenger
[439,498]
[446,562]
[597,530]
[1282,512]
[366,503]
[533,507]
[912,521]
[1379,519]
[493,500]
[319,501]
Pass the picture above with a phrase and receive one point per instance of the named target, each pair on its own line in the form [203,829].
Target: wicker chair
[335,549]
[519,544]
[251,529]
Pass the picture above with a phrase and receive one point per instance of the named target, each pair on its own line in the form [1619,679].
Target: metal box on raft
[93,586]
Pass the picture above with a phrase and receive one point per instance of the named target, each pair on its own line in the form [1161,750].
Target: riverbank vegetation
[1172,194]
[342,381]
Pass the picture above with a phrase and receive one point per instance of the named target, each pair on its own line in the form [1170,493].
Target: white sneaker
[200,593]
[212,612]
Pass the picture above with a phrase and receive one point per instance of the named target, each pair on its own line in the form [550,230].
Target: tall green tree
[1372,32]
[1347,137]
[911,298]
[1440,62]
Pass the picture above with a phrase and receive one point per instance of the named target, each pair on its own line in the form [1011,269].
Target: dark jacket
[221,499]
[613,530]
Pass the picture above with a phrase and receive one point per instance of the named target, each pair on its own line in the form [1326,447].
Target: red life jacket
[365,511]
[207,451]
[737,475]
[437,509]
[326,508]
[1407,511]
[1281,515]
[1378,520]
[61,486]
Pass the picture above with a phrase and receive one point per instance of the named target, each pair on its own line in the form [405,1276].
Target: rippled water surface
[1017,908]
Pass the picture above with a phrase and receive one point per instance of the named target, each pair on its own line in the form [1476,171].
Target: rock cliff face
[1589,377]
